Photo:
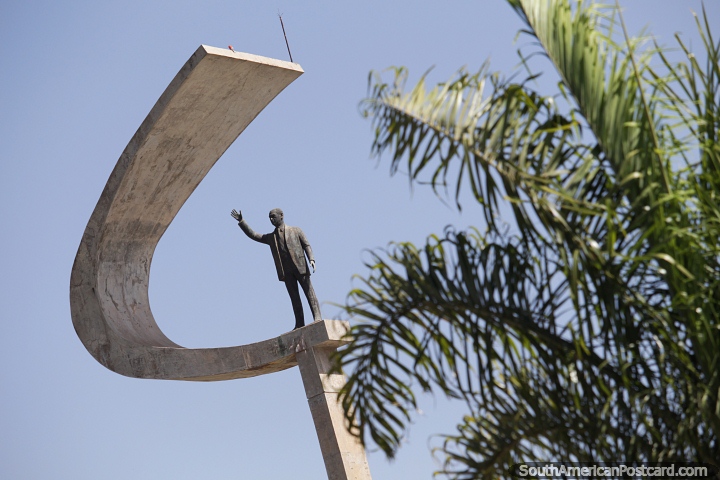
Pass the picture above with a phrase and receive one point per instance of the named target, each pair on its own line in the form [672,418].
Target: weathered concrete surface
[343,454]
[213,98]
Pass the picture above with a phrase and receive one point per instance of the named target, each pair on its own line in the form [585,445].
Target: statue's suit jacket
[297,245]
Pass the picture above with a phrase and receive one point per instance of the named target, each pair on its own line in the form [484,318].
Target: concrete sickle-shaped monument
[213,98]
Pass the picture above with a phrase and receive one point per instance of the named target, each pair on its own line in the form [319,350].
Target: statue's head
[276,217]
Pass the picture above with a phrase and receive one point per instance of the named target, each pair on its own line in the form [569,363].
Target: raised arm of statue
[237,215]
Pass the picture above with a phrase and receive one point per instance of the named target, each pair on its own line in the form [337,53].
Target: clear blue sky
[78,78]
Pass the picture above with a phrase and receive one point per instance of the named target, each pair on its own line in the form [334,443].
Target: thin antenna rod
[285,35]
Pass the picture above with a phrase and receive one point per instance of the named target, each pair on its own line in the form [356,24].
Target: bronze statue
[288,246]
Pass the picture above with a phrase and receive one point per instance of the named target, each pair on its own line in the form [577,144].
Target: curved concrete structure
[216,94]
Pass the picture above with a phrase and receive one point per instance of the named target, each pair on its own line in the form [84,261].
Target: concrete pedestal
[344,455]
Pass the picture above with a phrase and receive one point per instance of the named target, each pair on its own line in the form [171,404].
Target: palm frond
[591,328]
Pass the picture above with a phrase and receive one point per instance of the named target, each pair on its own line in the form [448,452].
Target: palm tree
[587,331]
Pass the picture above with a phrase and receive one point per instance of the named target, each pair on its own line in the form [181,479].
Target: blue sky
[78,78]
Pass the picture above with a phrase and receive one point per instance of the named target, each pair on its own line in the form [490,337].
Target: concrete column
[343,453]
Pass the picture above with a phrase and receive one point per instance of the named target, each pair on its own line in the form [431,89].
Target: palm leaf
[591,328]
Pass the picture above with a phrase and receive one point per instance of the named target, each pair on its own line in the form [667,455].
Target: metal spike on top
[285,35]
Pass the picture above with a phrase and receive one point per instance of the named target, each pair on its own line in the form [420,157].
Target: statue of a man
[288,246]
